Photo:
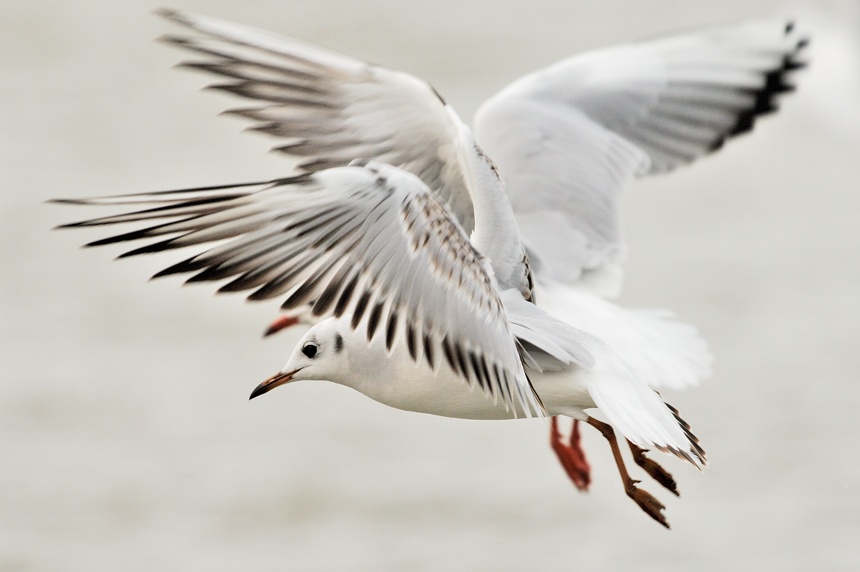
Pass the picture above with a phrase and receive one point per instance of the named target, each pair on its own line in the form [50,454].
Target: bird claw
[657,472]
[645,500]
[648,503]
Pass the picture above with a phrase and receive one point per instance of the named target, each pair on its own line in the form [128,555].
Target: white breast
[395,380]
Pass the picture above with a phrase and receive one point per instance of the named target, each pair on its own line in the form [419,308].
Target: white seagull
[400,244]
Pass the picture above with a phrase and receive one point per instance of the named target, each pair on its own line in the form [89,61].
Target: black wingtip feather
[173,40]
[212,274]
[125,237]
[345,296]
[766,98]
[410,341]
[793,65]
[449,354]
[148,249]
[360,308]
[188,265]
[391,330]
[81,224]
[461,362]
[237,285]
[373,319]
[171,14]
[326,299]
[483,381]
[67,201]
[429,354]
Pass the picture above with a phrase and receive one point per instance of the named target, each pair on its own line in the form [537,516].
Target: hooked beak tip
[279,378]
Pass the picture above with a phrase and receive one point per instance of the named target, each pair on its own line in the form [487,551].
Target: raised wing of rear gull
[331,108]
[371,243]
[569,137]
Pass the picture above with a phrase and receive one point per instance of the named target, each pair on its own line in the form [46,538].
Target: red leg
[571,455]
[280,323]
[646,502]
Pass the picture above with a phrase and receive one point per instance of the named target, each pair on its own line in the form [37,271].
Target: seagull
[411,252]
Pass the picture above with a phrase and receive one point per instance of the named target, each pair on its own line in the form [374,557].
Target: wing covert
[370,243]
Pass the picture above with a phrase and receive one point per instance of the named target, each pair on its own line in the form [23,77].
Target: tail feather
[697,449]
[663,351]
[636,410]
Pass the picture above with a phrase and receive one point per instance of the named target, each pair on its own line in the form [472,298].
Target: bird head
[320,355]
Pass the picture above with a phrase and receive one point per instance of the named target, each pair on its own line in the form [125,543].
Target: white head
[320,355]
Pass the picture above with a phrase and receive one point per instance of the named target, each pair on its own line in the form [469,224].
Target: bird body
[388,376]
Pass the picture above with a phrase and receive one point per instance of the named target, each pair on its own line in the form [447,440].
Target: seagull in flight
[459,273]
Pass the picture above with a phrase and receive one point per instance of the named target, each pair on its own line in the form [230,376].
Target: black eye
[310,350]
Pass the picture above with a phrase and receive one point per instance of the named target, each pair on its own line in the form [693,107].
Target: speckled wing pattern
[330,108]
[369,242]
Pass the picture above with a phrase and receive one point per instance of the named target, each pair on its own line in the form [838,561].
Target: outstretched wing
[369,241]
[569,137]
[330,108]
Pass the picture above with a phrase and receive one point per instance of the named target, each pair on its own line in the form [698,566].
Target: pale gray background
[126,438]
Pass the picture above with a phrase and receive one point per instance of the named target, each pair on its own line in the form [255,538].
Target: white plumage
[410,249]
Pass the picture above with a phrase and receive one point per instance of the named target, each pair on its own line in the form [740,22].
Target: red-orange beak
[279,378]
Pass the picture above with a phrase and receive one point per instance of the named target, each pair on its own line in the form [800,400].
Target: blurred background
[126,438]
